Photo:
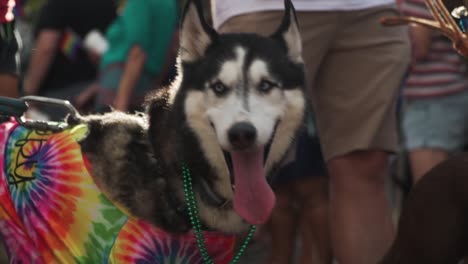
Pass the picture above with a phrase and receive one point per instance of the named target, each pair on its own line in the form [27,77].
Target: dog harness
[51,210]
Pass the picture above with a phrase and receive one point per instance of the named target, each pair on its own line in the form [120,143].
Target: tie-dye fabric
[51,211]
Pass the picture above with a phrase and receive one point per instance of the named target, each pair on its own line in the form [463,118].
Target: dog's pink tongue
[253,198]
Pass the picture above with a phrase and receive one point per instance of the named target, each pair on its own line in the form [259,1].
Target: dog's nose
[242,135]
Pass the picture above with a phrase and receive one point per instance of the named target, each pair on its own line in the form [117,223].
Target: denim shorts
[439,122]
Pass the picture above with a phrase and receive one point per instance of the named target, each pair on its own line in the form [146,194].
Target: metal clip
[11,107]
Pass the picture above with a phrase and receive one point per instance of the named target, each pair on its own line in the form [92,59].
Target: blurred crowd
[375,91]
[96,54]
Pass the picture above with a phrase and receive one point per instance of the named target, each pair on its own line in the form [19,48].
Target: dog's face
[243,98]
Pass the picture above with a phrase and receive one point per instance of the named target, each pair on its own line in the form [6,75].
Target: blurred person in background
[9,81]
[59,66]
[141,53]
[436,96]
[9,50]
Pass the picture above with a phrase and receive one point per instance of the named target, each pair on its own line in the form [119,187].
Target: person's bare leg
[314,221]
[8,85]
[423,160]
[361,222]
[283,227]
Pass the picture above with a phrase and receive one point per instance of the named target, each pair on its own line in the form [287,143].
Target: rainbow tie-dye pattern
[51,211]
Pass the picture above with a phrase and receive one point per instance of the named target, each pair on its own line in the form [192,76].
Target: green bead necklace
[196,223]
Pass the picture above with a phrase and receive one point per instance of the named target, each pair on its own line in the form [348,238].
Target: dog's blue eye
[219,88]
[265,86]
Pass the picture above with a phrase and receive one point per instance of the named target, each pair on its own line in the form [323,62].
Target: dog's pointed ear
[195,33]
[288,33]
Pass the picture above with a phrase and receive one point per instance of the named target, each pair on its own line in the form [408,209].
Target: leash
[196,223]
[12,107]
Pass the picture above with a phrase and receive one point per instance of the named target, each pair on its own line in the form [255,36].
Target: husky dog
[230,117]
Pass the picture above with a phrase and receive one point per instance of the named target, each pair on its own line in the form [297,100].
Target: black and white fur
[223,80]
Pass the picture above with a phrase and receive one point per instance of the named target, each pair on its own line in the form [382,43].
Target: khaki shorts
[354,70]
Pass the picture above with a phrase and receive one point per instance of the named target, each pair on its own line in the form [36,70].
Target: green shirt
[147,23]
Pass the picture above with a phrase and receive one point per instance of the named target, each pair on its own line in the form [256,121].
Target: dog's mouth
[253,197]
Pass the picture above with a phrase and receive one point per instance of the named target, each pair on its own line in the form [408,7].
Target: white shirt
[222,10]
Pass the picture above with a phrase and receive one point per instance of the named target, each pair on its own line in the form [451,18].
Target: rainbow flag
[70,44]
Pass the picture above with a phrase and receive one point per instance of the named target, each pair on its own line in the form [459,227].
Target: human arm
[46,47]
[421,38]
[52,21]
[132,71]
[128,45]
